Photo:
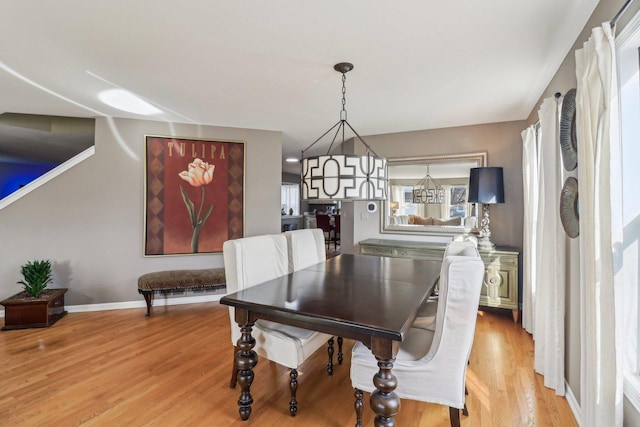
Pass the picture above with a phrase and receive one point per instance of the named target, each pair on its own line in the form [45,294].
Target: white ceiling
[269,64]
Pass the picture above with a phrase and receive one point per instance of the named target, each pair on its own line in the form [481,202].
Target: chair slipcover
[253,260]
[431,365]
[306,247]
[464,246]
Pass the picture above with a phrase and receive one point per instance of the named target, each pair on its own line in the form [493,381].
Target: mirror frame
[481,160]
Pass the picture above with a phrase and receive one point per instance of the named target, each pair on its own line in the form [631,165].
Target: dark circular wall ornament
[568,139]
[569,209]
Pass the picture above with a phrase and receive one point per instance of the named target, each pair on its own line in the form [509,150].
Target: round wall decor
[372,206]
[568,139]
[569,210]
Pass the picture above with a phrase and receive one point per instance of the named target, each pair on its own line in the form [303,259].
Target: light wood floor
[118,368]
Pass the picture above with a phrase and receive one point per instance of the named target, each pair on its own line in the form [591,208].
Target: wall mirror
[428,195]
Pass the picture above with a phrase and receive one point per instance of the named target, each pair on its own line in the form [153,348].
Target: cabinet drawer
[402,252]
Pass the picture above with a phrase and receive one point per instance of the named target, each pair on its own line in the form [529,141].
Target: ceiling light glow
[127,101]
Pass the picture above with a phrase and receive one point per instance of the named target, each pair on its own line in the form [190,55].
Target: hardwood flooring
[118,368]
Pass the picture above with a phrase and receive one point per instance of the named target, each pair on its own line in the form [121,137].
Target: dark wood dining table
[366,298]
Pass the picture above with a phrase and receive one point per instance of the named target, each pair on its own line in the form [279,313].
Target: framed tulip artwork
[194,194]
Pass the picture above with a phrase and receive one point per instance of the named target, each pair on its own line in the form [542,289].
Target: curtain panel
[550,255]
[530,195]
[599,188]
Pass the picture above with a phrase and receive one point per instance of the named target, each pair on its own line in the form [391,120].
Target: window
[290,198]
[628,43]
[458,201]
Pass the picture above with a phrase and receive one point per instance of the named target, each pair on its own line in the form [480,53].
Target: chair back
[336,225]
[250,261]
[461,279]
[473,240]
[305,247]
[323,222]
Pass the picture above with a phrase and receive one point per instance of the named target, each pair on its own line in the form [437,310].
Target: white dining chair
[306,247]
[431,365]
[248,262]
[427,315]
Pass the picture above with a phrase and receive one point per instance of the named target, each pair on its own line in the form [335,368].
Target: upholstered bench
[172,281]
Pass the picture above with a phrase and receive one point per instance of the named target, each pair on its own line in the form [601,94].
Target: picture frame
[194,194]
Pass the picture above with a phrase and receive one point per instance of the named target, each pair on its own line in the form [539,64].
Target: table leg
[330,351]
[358,405]
[384,402]
[246,359]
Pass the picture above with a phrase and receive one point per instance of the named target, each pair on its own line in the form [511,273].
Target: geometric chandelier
[428,191]
[344,176]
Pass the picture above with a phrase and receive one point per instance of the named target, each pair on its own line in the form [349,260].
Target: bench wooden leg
[148,298]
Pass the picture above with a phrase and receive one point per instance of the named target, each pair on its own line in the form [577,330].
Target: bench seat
[179,280]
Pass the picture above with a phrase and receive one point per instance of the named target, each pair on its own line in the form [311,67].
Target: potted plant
[36,306]
[37,275]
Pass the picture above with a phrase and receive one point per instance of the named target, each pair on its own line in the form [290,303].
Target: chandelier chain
[343,112]
[343,68]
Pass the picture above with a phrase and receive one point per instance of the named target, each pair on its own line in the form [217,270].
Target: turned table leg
[246,359]
[330,351]
[359,406]
[384,402]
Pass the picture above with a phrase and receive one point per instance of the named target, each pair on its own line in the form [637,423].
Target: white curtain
[530,193]
[550,255]
[444,207]
[397,196]
[600,228]
[290,198]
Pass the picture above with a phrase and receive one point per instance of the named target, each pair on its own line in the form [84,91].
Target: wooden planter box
[22,311]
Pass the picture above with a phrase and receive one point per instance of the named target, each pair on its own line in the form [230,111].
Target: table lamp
[486,186]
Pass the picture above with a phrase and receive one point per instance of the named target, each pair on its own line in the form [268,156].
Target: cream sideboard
[500,286]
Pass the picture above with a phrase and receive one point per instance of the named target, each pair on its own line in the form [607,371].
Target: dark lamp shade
[486,185]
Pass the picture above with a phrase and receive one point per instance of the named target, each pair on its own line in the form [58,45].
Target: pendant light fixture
[343,176]
[428,191]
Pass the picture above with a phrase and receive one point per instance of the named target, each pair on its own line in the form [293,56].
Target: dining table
[366,298]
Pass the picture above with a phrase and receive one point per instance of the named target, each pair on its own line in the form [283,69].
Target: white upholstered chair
[431,365]
[427,316]
[248,262]
[306,247]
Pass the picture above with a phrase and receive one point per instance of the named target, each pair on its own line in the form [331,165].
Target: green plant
[37,275]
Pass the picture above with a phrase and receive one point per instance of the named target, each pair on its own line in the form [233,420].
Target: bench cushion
[181,279]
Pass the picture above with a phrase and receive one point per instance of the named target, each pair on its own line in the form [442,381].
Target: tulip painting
[203,176]
[198,174]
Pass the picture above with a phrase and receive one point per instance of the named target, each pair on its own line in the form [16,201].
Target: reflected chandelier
[426,193]
[344,176]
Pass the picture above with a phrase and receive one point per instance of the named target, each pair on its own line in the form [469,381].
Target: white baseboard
[158,301]
[573,403]
[632,390]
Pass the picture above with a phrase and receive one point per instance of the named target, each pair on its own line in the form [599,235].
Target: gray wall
[503,145]
[89,220]
[564,80]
